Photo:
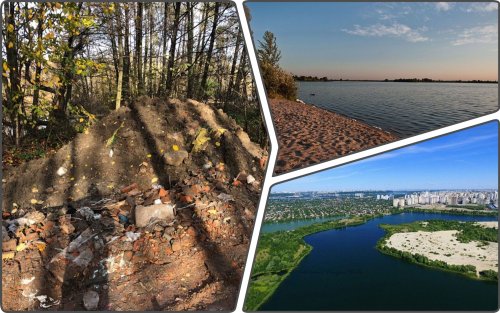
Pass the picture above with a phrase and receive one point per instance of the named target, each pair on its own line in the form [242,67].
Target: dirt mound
[69,219]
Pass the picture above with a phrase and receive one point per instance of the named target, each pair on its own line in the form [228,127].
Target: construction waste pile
[167,230]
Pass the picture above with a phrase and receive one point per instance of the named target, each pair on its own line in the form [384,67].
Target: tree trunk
[229,94]
[173,42]
[138,48]
[203,86]
[126,56]
[120,53]
[190,46]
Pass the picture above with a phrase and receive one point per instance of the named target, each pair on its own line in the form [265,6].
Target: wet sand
[308,135]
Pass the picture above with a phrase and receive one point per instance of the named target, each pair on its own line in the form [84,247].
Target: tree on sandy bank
[278,83]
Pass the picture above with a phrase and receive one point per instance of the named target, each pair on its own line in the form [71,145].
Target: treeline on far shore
[303,78]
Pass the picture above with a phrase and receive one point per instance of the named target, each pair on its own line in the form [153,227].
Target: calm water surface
[405,109]
[345,271]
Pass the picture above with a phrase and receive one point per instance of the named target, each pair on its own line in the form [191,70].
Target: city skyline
[464,160]
[436,40]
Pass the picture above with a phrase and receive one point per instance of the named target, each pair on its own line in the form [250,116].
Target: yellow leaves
[200,140]
[5,67]
[175,147]
[34,190]
[212,211]
[50,35]
[21,247]
[10,28]
[41,246]
[33,201]
[69,17]
[217,144]
[10,45]
[81,119]
[154,180]
[219,132]
[149,156]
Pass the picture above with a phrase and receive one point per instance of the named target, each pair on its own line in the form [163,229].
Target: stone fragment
[175,158]
[250,179]
[143,214]
[62,171]
[91,300]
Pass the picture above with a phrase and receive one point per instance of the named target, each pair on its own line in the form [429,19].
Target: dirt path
[67,236]
[308,135]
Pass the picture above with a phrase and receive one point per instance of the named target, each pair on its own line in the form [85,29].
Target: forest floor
[73,237]
[308,135]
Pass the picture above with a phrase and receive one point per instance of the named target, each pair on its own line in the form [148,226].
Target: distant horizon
[463,160]
[386,190]
[447,41]
[392,79]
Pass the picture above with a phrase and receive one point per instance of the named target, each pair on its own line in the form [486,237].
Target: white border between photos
[271,180]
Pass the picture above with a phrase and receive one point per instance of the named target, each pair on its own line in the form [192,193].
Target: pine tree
[268,51]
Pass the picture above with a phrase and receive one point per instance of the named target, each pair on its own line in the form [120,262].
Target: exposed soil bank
[308,135]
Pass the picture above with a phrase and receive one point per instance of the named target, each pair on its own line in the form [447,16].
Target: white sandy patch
[488,224]
[444,246]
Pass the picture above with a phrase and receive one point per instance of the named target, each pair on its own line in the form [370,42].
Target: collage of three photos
[138,156]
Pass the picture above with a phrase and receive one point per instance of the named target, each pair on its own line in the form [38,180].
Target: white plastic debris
[225,197]
[26,281]
[131,236]
[62,171]
[207,165]
[250,179]
[158,201]
[110,153]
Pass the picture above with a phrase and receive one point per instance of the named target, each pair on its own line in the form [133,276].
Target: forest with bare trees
[65,64]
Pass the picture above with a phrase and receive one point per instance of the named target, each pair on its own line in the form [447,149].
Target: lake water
[345,271]
[283,226]
[405,109]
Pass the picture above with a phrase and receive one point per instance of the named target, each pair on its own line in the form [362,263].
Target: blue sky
[439,40]
[467,159]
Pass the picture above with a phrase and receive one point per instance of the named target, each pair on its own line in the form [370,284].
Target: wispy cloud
[482,7]
[423,148]
[479,34]
[443,6]
[395,30]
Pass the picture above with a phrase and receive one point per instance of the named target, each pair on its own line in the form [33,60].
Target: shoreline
[308,134]
[302,232]
[298,234]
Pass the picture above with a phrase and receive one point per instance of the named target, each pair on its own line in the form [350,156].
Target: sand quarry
[444,246]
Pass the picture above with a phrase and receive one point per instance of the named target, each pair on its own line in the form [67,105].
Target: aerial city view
[344,77]
[411,229]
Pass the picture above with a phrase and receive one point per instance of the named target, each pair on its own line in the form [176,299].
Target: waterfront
[329,280]
[404,109]
[291,225]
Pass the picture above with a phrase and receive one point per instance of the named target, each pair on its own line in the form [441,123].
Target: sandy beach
[309,135]
[444,246]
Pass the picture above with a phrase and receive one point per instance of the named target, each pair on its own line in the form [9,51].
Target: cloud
[443,6]
[482,7]
[424,148]
[479,34]
[394,30]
